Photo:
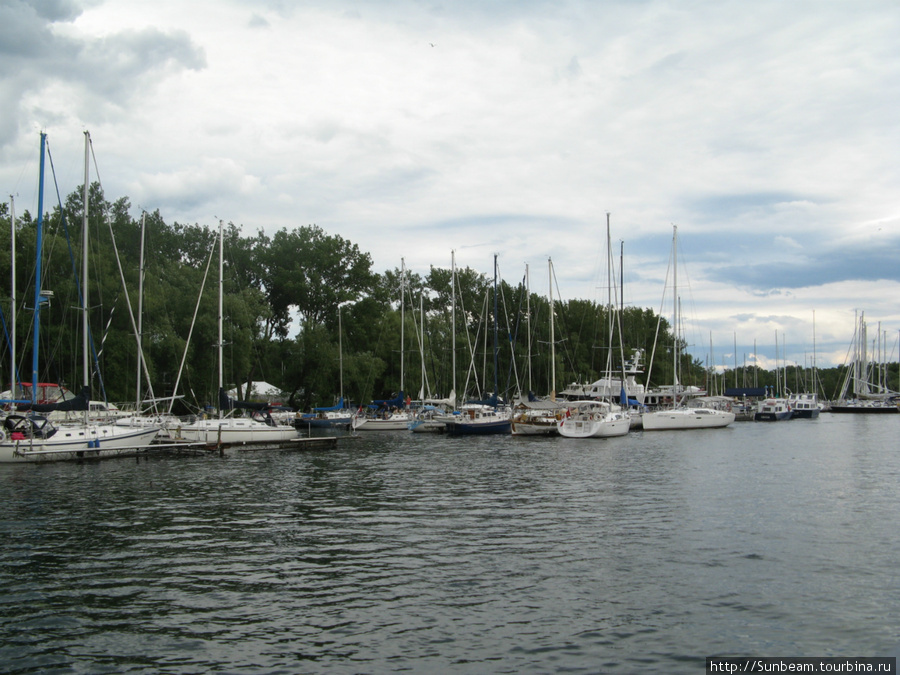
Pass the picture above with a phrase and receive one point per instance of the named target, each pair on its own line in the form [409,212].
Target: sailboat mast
[402,317]
[221,312]
[422,345]
[340,356]
[453,324]
[140,317]
[39,243]
[528,322]
[496,345]
[12,295]
[552,336]
[675,327]
[85,304]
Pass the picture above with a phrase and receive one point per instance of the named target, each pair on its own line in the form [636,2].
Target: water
[406,552]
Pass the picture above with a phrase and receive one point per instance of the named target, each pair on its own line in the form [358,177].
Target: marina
[437,553]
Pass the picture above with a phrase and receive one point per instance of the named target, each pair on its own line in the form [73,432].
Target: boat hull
[602,428]
[231,431]
[395,423]
[773,416]
[865,409]
[460,428]
[664,420]
[76,442]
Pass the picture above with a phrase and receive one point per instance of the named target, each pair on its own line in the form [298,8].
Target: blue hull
[462,429]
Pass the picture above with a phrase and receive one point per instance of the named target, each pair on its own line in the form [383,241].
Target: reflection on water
[497,554]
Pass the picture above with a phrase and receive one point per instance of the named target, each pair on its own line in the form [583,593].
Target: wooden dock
[182,446]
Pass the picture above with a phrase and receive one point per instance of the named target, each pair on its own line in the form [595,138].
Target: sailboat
[536,417]
[33,437]
[683,417]
[483,417]
[861,392]
[257,430]
[391,414]
[600,419]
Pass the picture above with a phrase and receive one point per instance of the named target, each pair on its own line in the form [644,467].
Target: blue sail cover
[339,406]
[80,402]
[397,402]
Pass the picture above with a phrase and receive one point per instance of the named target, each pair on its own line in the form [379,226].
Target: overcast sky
[768,131]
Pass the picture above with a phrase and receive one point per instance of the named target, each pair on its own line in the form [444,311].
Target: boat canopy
[227,403]
[80,402]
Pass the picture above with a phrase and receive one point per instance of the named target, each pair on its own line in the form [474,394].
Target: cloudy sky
[767,132]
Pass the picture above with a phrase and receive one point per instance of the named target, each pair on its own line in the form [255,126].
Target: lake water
[404,552]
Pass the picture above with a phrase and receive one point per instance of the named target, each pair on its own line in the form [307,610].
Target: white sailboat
[593,419]
[683,417]
[394,413]
[863,390]
[222,430]
[32,437]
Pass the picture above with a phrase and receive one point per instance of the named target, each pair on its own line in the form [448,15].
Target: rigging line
[108,218]
[187,343]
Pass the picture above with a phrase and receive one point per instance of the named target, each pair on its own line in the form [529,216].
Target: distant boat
[478,419]
[773,410]
[536,418]
[804,406]
[864,407]
[861,391]
[325,417]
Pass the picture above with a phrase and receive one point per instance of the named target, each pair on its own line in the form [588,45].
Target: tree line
[303,310]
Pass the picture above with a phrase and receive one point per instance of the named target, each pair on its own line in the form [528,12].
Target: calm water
[403,552]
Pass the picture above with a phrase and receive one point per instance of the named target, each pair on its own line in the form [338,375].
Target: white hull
[396,422]
[77,442]
[604,427]
[238,430]
[166,423]
[686,418]
[534,429]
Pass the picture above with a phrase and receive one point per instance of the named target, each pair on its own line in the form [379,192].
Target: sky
[767,132]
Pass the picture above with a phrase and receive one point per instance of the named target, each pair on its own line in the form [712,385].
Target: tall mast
[552,336]
[221,316]
[453,323]
[14,388]
[528,322]
[402,316]
[85,304]
[140,316]
[675,327]
[496,346]
[39,243]
[422,345]
[340,356]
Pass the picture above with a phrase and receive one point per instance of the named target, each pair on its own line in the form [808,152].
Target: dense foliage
[281,317]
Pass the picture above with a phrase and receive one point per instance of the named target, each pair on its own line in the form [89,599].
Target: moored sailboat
[33,437]
[682,417]
[231,430]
